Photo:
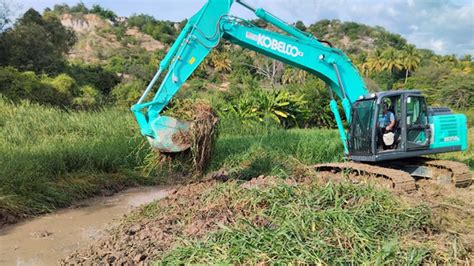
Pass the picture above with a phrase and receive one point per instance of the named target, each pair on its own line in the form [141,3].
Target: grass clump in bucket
[201,137]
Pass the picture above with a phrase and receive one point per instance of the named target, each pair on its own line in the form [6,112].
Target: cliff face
[84,23]
[98,39]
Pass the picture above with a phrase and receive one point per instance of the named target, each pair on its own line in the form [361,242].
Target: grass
[275,153]
[51,158]
[312,224]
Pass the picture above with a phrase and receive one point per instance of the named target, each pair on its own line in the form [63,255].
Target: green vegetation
[163,31]
[309,223]
[279,152]
[36,43]
[77,89]
[51,158]
[82,9]
[77,123]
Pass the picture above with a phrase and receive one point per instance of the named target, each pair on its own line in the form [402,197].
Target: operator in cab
[386,124]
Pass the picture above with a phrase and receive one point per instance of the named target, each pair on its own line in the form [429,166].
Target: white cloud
[437,45]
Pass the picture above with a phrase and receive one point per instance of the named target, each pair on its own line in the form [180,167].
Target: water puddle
[46,239]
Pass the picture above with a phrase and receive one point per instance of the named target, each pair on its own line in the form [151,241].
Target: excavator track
[456,173]
[401,181]
[460,174]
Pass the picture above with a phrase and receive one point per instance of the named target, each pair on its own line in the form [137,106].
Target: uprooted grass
[309,223]
[202,136]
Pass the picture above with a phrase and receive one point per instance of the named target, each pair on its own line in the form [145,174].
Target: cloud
[446,27]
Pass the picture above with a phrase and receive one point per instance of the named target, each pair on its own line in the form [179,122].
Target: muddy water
[46,239]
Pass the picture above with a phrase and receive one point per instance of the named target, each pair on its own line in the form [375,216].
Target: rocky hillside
[99,39]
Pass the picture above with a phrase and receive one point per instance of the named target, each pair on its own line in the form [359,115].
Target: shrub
[89,97]
[126,94]
[16,86]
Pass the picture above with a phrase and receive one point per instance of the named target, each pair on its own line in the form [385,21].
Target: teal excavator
[418,130]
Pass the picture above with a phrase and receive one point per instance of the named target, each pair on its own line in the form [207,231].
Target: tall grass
[46,153]
[275,152]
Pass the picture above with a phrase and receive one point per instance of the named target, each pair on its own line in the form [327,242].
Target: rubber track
[401,181]
[461,174]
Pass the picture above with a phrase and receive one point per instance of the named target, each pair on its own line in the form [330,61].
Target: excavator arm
[206,29]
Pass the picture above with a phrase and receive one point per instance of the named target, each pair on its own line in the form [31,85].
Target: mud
[452,208]
[182,213]
[46,239]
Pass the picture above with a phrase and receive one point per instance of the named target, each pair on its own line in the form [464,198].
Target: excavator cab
[418,129]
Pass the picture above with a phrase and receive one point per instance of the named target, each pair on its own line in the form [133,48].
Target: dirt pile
[190,211]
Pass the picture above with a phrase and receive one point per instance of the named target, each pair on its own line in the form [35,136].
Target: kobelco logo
[274,44]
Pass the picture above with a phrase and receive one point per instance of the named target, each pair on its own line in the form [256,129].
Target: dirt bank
[193,211]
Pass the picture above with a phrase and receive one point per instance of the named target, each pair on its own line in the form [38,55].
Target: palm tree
[411,59]
[292,75]
[391,60]
[374,61]
[221,62]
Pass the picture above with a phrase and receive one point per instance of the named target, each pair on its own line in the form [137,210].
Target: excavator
[418,130]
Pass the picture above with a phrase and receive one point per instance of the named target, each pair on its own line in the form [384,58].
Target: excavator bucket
[172,135]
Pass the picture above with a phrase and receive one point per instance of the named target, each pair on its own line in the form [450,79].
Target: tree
[293,75]
[80,8]
[103,12]
[36,43]
[374,61]
[61,9]
[456,91]
[467,58]
[410,59]
[221,62]
[391,60]
[300,25]
[5,14]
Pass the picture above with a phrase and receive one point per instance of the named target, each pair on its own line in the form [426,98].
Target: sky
[444,26]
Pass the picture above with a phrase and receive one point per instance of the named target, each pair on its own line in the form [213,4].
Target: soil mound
[142,237]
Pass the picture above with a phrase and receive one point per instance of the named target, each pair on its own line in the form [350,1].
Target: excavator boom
[205,30]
